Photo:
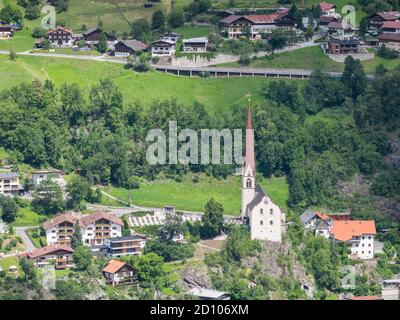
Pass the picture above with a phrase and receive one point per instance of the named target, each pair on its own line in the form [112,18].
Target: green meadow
[192,196]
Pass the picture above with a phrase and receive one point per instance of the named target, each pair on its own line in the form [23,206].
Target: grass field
[187,195]
[8,262]
[192,32]
[215,94]
[22,41]
[312,58]
[26,217]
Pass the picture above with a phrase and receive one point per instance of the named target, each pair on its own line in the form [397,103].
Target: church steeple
[249,156]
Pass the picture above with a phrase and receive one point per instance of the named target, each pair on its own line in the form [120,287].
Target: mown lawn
[6,263]
[187,195]
[312,58]
[22,41]
[193,32]
[26,217]
[216,94]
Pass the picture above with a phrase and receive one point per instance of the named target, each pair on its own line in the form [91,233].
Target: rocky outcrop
[194,276]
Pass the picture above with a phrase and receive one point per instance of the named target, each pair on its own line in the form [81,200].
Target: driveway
[21,232]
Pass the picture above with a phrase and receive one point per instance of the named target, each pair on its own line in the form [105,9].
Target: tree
[212,220]
[354,78]
[140,29]
[11,15]
[32,12]
[126,231]
[47,198]
[28,269]
[158,20]
[78,190]
[76,239]
[69,290]
[176,19]
[149,268]
[82,257]
[102,45]
[13,55]
[132,183]
[9,209]
[173,226]
[38,32]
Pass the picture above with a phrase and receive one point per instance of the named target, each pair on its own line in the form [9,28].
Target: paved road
[21,232]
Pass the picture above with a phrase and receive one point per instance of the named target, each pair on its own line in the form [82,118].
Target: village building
[60,229]
[390,40]
[171,36]
[366,298]
[197,45]
[341,30]
[58,255]
[324,21]
[321,223]
[124,246]
[92,37]
[336,46]
[126,48]
[208,294]
[163,48]
[61,37]
[327,9]
[265,218]
[98,226]
[390,289]
[359,234]
[54,175]
[6,31]
[378,19]
[9,184]
[117,272]
[390,27]
[254,26]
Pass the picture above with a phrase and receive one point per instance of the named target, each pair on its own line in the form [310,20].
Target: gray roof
[90,30]
[196,40]
[9,175]
[206,293]
[259,195]
[307,216]
[322,225]
[127,238]
[134,44]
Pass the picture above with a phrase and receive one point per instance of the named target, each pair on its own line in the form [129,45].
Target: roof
[306,216]
[9,175]
[195,40]
[48,250]
[170,42]
[256,18]
[135,45]
[327,19]
[391,25]
[389,15]
[230,19]
[346,230]
[259,196]
[127,238]
[395,37]
[60,28]
[325,6]
[60,218]
[206,293]
[114,266]
[174,34]
[365,298]
[90,30]
[322,225]
[340,25]
[47,171]
[92,218]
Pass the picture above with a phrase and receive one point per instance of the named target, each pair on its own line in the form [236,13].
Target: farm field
[188,195]
[312,58]
[216,94]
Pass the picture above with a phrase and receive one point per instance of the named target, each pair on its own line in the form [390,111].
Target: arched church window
[248,183]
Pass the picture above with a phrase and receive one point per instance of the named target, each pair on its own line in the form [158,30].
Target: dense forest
[317,135]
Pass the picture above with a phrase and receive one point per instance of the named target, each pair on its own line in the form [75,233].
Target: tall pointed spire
[249,157]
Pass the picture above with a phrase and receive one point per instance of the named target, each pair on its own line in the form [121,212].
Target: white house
[6,31]
[61,37]
[163,48]
[9,183]
[341,30]
[327,9]
[54,175]
[265,218]
[359,234]
[171,36]
[195,44]
[60,229]
[117,272]
[59,255]
[124,246]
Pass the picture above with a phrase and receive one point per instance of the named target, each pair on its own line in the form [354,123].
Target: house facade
[324,21]
[59,255]
[98,226]
[61,37]
[163,48]
[54,175]
[390,27]
[390,40]
[342,46]
[341,30]
[390,289]
[327,9]
[6,31]
[171,36]
[9,183]
[60,229]
[359,234]
[92,37]
[125,48]
[265,218]
[124,246]
[195,45]
[117,272]
[378,19]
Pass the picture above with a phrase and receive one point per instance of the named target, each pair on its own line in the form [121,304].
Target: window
[248,183]
[271,222]
[271,211]
[261,222]
[261,211]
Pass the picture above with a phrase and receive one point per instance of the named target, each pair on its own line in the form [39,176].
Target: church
[265,218]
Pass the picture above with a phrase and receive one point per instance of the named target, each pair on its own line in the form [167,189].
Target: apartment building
[59,255]
[9,183]
[124,246]
[60,229]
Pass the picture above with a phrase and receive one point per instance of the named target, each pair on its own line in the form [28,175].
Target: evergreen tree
[213,219]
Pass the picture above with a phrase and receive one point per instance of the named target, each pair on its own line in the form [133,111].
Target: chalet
[125,48]
[163,48]
[321,223]
[327,9]
[390,27]
[222,14]
[61,37]
[379,18]
[54,175]
[9,184]
[98,226]
[325,20]
[208,294]
[336,46]
[92,37]
[359,234]
[6,31]
[59,255]
[117,272]
[253,26]
[60,229]
[124,246]
[390,40]
[341,30]
[195,44]
[171,36]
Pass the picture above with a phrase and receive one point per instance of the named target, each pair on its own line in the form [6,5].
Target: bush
[387,53]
